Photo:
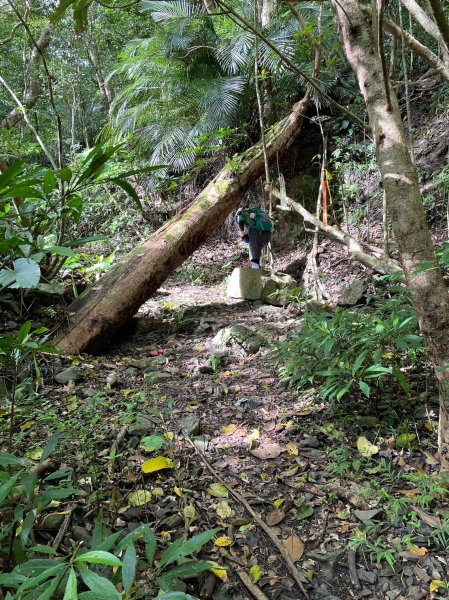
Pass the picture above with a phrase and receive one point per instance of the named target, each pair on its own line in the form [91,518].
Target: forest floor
[354,527]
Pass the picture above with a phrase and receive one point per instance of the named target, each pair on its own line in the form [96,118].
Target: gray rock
[112,380]
[157,376]
[415,593]
[310,442]
[314,306]
[367,576]
[131,371]
[352,293]
[142,426]
[80,534]
[190,426]
[70,374]
[366,592]
[258,284]
[250,401]
[393,594]
[367,515]
[239,339]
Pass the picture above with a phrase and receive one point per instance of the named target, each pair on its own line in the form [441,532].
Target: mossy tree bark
[423,275]
[104,308]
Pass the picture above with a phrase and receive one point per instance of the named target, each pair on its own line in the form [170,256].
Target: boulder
[258,284]
[239,339]
[70,374]
[352,293]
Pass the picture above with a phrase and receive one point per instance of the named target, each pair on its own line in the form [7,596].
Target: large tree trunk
[423,275]
[106,307]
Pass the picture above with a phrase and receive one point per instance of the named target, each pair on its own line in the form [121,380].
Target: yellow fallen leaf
[158,492]
[218,571]
[126,393]
[139,497]
[256,573]
[177,491]
[229,430]
[223,541]
[254,435]
[366,448]
[223,510]
[190,513]
[169,435]
[27,425]
[435,584]
[227,374]
[157,464]
[419,551]
[292,450]
[279,502]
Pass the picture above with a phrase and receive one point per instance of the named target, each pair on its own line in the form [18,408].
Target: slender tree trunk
[427,24]
[423,275]
[34,85]
[107,306]
[92,52]
[430,57]
[440,18]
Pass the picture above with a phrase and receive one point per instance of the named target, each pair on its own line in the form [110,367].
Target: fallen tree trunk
[103,309]
[385,266]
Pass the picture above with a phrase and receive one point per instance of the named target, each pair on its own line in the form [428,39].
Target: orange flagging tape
[324,192]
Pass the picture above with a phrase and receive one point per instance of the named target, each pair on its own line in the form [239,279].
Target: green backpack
[257,218]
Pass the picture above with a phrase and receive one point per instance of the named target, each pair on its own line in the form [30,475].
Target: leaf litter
[279,450]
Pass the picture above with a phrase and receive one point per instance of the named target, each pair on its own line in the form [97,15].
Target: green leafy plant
[23,496]
[38,206]
[44,578]
[17,352]
[358,348]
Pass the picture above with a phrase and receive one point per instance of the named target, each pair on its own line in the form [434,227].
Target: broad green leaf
[7,487]
[150,545]
[100,586]
[304,511]
[23,332]
[71,588]
[358,362]
[139,532]
[99,557]
[129,568]
[9,459]
[41,549]
[26,273]
[128,188]
[218,490]
[50,590]
[179,549]
[27,525]
[50,445]
[365,388]
[256,573]
[11,579]
[33,582]
[176,596]
[188,569]
[49,182]
[152,442]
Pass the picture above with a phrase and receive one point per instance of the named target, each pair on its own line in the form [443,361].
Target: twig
[46,465]
[250,586]
[290,564]
[207,589]
[64,526]
[114,448]
[353,570]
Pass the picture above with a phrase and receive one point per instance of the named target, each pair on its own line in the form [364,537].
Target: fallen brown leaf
[294,547]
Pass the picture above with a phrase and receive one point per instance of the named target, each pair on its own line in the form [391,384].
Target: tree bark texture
[405,210]
[34,90]
[107,306]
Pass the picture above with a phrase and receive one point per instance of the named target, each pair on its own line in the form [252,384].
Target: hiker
[255,228]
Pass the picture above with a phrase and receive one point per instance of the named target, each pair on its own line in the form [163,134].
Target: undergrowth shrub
[362,348]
